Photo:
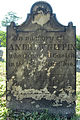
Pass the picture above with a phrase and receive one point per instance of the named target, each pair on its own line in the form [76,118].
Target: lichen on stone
[51,67]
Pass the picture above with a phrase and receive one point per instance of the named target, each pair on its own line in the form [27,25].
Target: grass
[3,109]
[78,93]
[28,116]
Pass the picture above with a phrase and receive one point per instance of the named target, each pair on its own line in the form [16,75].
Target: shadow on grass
[37,116]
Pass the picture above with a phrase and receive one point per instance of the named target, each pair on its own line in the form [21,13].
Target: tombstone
[41,58]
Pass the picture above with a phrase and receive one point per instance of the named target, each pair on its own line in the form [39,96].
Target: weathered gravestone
[41,63]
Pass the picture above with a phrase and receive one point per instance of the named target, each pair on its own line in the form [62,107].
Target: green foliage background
[10,17]
[3,38]
[78,42]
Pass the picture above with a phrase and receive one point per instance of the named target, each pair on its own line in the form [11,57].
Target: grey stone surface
[41,66]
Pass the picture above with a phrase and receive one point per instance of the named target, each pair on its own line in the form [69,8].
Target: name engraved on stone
[42,46]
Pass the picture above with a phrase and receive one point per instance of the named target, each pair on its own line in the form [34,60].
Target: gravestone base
[39,106]
[69,114]
[58,112]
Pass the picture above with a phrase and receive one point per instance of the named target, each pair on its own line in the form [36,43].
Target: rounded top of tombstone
[41,5]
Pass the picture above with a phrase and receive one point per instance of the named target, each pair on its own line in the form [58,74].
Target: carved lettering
[25,47]
[71,47]
[11,64]
[42,46]
[17,46]
[11,47]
